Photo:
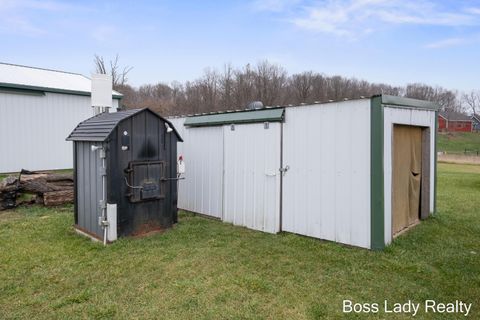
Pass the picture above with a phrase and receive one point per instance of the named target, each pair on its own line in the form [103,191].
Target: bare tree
[119,74]
[270,80]
[472,100]
[208,86]
[302,86]
[130,96]
[99,64]
[244,87]
[234,88]
[226,84]
[178,98]
[447,99]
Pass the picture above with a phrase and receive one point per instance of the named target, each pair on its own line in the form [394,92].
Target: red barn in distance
[452,121]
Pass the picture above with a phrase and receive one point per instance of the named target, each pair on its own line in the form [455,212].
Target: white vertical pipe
[104,200]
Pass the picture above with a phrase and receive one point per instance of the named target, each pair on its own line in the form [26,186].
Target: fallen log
[60,177]
[8,200]
[39,186]
[55,198]
[49,188]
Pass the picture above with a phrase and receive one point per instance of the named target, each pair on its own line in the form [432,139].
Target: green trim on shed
[407,102]
[52,90]
[377,201]
[435,165]
[248,116]
[27,92]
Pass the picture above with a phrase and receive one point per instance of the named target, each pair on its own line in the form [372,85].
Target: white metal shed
[334,171]
[38,108]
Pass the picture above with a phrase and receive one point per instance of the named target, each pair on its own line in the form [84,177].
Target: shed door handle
[284,169]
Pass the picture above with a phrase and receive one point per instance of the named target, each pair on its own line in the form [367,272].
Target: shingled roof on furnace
[99,127]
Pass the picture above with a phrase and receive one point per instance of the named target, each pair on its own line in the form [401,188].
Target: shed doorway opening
[411,176]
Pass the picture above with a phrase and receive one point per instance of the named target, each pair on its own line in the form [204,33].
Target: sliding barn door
[251,176]
[407,176]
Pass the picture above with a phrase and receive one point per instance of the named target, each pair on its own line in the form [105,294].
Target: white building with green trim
[38,109]
[331,171]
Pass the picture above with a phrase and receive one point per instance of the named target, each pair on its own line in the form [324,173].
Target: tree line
[234,88]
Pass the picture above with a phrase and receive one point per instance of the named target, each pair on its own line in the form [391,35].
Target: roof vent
[254,105]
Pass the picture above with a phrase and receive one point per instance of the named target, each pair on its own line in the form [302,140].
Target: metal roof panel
[408,102]
[248,116]
[38,79]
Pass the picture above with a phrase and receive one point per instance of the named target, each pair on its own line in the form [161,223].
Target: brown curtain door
[407,175]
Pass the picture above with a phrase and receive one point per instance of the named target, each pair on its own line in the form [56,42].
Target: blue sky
[392,41]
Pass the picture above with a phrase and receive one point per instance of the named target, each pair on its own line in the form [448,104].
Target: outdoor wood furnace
[125,172]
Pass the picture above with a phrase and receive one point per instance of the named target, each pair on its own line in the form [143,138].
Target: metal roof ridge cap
[262,115]
[408,102]
[40,68]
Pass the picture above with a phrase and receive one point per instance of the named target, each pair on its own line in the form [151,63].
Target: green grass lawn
[3,175]
[204,269]
[458,141]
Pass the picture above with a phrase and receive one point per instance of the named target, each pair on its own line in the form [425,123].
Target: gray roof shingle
[99,127]
[455,116]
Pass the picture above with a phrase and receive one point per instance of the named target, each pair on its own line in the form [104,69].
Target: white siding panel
[326,192]
[182,184]
[406,116]
[178,124]
[252,180]
[33,130]
[202,150]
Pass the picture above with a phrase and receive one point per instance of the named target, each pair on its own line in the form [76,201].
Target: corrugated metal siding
[203,154]
[326,191]
[249,195]
[182,184]
[202,189]
[89,182]
[33,130]
[406,116]
[252,180]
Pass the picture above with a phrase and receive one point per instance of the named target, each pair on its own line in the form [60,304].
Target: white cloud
[473,10]
[14,23]
[451,42]
[16,15]
[353,18]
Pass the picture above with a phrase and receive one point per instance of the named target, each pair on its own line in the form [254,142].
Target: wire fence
[466,152]
[465,157]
